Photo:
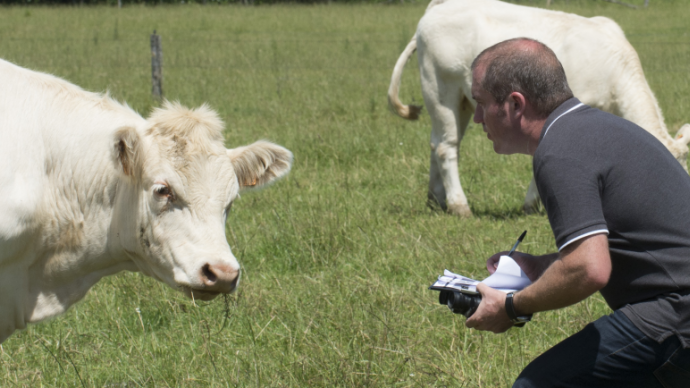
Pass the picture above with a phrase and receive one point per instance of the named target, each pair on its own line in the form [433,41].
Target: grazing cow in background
[89,188]
[603,71]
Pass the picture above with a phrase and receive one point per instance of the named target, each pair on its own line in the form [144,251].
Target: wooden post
[156,66]
[119,3]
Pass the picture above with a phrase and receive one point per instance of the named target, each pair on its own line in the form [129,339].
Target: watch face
[522,320]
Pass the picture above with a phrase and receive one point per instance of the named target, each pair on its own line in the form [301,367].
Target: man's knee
[523,383]
[534,376]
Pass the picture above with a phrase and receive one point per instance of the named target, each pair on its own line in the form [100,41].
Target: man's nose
[477,118]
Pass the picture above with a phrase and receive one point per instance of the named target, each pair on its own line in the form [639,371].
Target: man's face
[493,116]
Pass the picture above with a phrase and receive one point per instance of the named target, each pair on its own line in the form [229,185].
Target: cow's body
[603,71]
[89,188]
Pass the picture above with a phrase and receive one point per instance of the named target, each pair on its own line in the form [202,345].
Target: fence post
[156,66]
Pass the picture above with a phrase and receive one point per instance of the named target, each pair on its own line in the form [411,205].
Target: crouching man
[619,207]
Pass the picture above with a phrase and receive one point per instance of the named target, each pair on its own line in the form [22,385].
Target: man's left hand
[491,314]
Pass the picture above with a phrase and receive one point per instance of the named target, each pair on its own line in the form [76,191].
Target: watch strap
[518,321]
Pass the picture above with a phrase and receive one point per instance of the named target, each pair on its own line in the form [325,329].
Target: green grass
[337,257]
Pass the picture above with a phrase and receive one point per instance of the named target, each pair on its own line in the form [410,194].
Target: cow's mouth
[199,294]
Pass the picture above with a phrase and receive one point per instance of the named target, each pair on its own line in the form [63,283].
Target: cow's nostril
[209,276]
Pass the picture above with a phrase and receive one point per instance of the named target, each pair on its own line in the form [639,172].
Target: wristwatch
[510,309]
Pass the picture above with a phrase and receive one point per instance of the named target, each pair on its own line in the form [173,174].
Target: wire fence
[288,56]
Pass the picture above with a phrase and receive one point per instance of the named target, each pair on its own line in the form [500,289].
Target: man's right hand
[533,266]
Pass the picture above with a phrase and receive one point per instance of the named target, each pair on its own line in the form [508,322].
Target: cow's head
[180,184]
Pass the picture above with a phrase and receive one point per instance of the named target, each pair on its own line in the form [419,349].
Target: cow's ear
[128,152]
[260,163]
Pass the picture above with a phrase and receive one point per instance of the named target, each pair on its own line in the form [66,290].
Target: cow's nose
[219,277]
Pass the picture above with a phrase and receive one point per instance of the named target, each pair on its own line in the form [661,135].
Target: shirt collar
[566,107]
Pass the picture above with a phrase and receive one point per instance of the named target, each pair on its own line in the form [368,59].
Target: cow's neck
[78,245]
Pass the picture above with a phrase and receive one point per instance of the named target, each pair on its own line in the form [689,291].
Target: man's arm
[583,268]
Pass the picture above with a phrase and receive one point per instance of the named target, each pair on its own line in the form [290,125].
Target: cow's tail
[409,112]
[683,134]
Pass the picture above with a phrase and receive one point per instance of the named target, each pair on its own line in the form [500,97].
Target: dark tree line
[156,2]
[630,3]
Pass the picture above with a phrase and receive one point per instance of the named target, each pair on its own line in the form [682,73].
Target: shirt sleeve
[571,192]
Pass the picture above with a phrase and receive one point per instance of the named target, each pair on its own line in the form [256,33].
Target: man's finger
[472,323]
[481,288]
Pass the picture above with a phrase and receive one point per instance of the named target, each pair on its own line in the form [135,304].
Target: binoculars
[460,303]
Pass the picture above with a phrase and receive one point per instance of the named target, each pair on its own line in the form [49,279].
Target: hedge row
[156,2]
[636,3]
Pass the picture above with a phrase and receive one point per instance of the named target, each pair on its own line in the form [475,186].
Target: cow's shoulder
[20,193]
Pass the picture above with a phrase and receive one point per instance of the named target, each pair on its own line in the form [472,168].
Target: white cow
[603,71]
[89,188]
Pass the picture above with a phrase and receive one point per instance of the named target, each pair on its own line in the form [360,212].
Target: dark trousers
[610,352]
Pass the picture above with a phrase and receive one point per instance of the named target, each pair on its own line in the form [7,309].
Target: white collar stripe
[562,114]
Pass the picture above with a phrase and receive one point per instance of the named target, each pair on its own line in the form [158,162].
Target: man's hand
[491,314]
[532,266]
[581,269]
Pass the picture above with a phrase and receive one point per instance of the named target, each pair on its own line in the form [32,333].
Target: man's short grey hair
[526,66]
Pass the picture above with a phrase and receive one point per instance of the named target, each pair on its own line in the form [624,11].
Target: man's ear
[518,104]
[260,163]
[128,152]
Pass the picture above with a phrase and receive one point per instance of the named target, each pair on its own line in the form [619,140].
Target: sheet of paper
[508,277]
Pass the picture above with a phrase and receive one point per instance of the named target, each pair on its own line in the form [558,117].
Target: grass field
[336,258]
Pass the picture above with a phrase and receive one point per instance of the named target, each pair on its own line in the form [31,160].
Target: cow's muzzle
[219,278]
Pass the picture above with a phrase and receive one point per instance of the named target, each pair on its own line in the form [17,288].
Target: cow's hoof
[459,210]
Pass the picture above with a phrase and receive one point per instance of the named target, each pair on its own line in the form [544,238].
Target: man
[619,207]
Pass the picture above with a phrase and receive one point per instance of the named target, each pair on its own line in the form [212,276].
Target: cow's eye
[163,191]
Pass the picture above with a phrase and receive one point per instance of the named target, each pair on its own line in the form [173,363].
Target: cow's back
[602,67]
[453,33]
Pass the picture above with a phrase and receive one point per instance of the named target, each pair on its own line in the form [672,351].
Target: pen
[519,240]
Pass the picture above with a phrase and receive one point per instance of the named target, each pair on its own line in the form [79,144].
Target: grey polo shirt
[598,173]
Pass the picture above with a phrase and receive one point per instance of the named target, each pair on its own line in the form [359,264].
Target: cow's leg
[437,193]
[531,204]
[446,119]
